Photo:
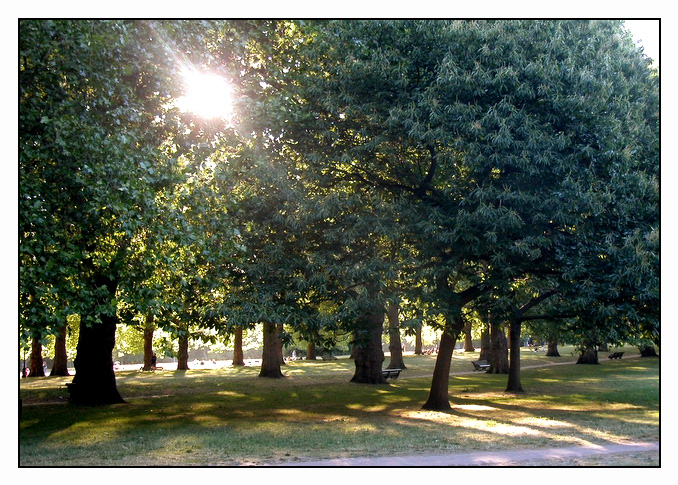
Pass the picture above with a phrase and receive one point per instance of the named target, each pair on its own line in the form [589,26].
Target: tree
[149,328]
[60,366]
[35,363]
[94,127]
[395,345]
[488,153]
[238,356]
[499,363]
[468,338]
[495,141]
[270,359]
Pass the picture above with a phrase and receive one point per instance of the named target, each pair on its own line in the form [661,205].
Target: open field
[229,416]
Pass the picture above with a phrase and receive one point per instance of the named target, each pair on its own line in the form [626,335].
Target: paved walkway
[483,458]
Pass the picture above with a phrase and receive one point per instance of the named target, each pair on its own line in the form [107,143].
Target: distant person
[154,360]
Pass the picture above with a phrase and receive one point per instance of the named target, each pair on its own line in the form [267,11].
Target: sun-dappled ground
[229,416]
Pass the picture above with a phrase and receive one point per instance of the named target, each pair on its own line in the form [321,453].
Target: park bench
[616,355]
[480,365]
[392,373]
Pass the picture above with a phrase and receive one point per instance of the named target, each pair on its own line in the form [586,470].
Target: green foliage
[435,163]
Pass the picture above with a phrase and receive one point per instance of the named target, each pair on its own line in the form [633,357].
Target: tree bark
[552,349]
[279,343]
[238,355]
[468,340]
[182,355]
[485,345]
[310,351]
[270,362]
[60,366]
[35,364]
[648,351]
[588,356]
[368,353]
[438,398]
[148,343]
[94,381]
[418,345]
[499,363]
[395,344]
[514,384]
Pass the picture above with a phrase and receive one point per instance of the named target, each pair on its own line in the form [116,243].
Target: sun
[207,95]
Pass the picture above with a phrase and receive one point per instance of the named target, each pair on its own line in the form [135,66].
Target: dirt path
[482,458]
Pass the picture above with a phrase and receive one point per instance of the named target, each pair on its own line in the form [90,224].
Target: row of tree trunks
[182,354]
[368,353]
[418,345]
[588,356]
[395,344]
[485,344]
[468,338]
[270,358]
[36,366]
[238,355]
[648,351]
[499,363]
[514,384]
[148,342]
[552,349]
[438,398]
[279,343]
[60,366]
[310,351]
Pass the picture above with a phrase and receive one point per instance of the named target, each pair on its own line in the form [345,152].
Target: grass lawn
[230,416]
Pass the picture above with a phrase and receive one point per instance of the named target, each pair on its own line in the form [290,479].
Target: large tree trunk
[270,361]
[354,346]
[468,340]
[310,351]
[588,356]
[148,342]
[485,345]
[648,351]
[499,363]
[395,344]
[182,355]
[279,343]
[552,349]
[438,398]
[368,353]
[238,355]
[35,364]
[94,381]
[514,384]
[60,366]
[418,345]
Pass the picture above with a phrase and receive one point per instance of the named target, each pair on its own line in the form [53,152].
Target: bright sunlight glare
[207,95]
